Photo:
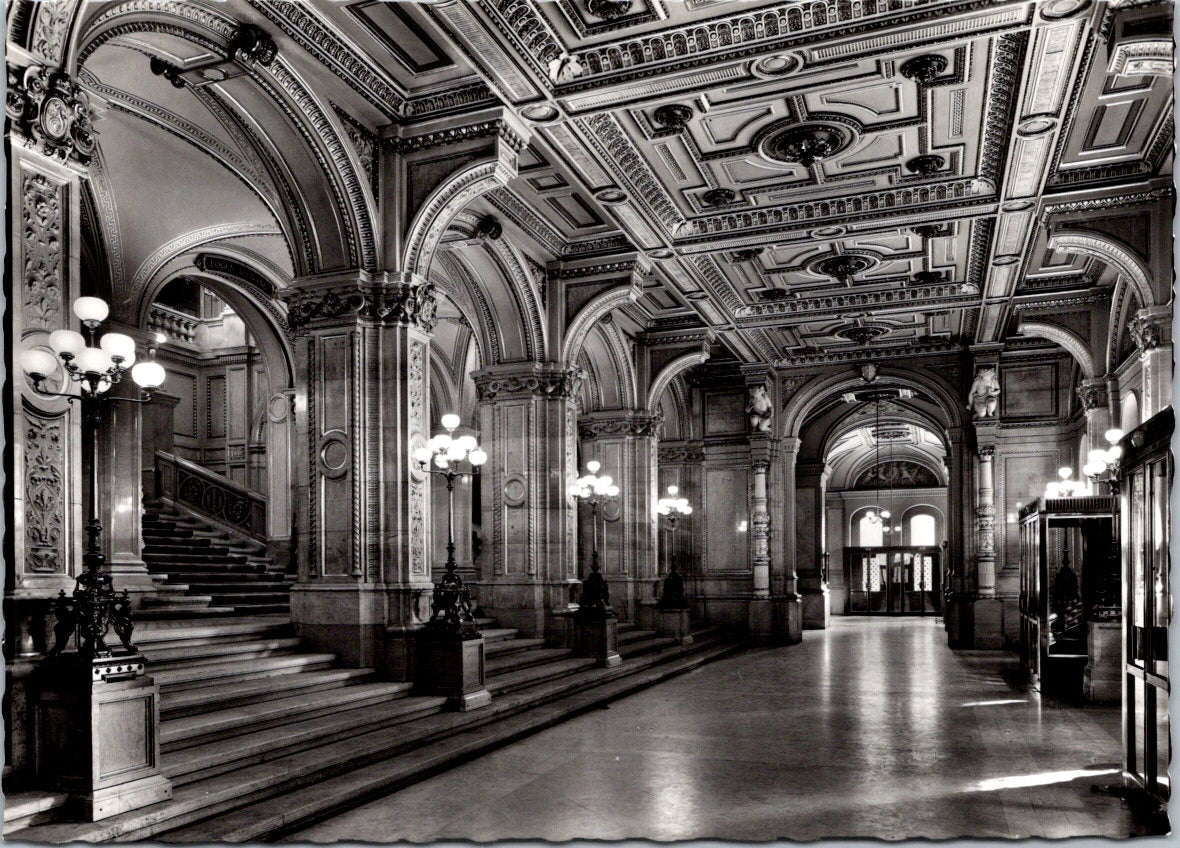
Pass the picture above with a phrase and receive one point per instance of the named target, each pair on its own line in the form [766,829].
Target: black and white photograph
[554,421]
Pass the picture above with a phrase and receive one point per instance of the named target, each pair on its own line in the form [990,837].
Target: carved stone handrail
[210,494]
[177,326]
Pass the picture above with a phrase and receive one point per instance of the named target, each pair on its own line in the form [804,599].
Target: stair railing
[211,495]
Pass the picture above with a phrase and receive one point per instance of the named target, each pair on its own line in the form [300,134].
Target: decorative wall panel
[725,502]
[46,472]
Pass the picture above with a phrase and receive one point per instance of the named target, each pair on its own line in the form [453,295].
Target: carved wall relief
[45,495]
[41,217]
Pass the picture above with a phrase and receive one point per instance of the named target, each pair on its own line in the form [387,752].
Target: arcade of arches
[857,278]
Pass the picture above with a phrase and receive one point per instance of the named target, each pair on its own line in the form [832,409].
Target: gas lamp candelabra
[672,508]
[594,490]
[1065,486]
[93,368]
[1102,466]
[453,457]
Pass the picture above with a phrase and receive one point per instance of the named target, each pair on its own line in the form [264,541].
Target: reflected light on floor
[1020,781]
[994,703]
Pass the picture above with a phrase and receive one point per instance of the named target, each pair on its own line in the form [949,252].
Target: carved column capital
[681,452]
[626,423]
[381,299]
[1150,328]
[540,379]
[1092,394]
[986,452]
[50,112]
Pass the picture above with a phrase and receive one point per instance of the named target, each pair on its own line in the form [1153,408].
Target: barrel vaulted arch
[669,372]
[1068,340]
[591,313]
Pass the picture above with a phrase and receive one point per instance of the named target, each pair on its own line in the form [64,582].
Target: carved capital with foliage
[539,379]
[627,424]
[50,112]
[378,301]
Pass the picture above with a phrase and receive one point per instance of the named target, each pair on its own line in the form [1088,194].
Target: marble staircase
[201,570]
[260,734]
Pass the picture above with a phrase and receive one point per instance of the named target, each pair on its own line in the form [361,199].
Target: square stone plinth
[598,637]
[674,622]
[452,665]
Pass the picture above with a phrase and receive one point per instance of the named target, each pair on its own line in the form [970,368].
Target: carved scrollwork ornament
[51,112]
[1092,396]
[1145,333]
[399,303]
[558,382]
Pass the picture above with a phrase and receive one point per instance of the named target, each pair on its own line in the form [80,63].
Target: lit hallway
[873,728]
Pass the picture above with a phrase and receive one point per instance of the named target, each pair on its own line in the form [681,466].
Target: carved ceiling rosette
[51,112]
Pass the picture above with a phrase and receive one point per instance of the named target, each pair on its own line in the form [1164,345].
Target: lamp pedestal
[451,663]
[596,625]
[95,724]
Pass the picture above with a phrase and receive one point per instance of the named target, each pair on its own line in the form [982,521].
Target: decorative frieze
[541,379]
[496,128]
[50,112]
[381,302]
[41,217]
[626,424]
[948,295]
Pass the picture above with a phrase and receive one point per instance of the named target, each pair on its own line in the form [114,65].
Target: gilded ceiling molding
[922,298]
[1066,339]
[669,371]
[801,404]
[592,312]
[513,208]
[320,129]
[616,148]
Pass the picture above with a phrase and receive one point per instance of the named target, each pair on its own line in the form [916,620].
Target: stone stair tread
[635,635]
[19,806]
[652,643]
[344,790]
[498,666]
[195,726]
[176,598]
[511,646]
[504,683]
[300,779]
[175,610]
[286,664]
[164,630]
[255,691]
[160,658]
[496,634]
[291,738]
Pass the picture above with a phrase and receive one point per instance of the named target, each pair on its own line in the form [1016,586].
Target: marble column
[985,524]
[363,351]
[810,495]
[527,421]
[625,441]
[1152,331]
[774,617]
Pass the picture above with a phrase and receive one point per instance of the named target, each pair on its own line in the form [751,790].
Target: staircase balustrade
[177,326]
[211,495]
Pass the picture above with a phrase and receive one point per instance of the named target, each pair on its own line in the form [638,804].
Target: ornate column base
[776,621]
[817,604]
[96,725]
[451,663]
[597,636]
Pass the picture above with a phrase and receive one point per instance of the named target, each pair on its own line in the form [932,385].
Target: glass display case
[1065,566]
[1145,481]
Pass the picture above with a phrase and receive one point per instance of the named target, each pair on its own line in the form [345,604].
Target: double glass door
[893,580]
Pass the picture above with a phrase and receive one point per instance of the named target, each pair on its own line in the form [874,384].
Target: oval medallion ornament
[805,144]
[610,194]
[55,118]
[1035,126]
[773,67]
[925,166]
[539,112]
[334,454]
[515,490]
[1054,10]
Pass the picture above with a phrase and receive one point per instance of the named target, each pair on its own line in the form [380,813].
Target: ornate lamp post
[597,627]
[99,692]
[594,490]
[447,454]
[672,508]
[450,648]
[94,606]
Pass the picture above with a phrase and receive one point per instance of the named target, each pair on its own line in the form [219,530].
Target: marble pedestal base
[817,609]
[776,621]
[451,665]
[598,637]
[674,622]
[1102,679]
[96,731]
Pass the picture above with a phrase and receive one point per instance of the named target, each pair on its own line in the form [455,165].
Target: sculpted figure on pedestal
[984,397]
[760,410]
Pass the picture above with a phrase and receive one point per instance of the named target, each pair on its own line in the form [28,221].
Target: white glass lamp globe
[119,345]
[468,443]
[1064,471]
[440,459]
[148,375]
[91,309]
[94,360]
[66,342]
[688,510]
[886,513]
[423,455]
[592,466]
[37,363]
[612,491]
[1115,453]
[673,490]
[1114,434]
[477,457]
[456,451]
[450,421]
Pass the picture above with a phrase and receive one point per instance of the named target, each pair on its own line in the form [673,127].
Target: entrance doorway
[894,580]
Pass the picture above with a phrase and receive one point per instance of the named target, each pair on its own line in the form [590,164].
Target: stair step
[632,635]
[189,654]
[511,646]
[524,659]
[257,609]
[259,597]
[171,557]
[233,586]
[174,611]
[176,599]
[170,543]
[189,731]
[232,695]
[214,758]
[638,647]
[187,569]
[497,634]
[348,788]
[525,677]
[24,809]
[158,632]
[175,679]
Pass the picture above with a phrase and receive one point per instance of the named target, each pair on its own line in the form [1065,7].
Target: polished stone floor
[873,728]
